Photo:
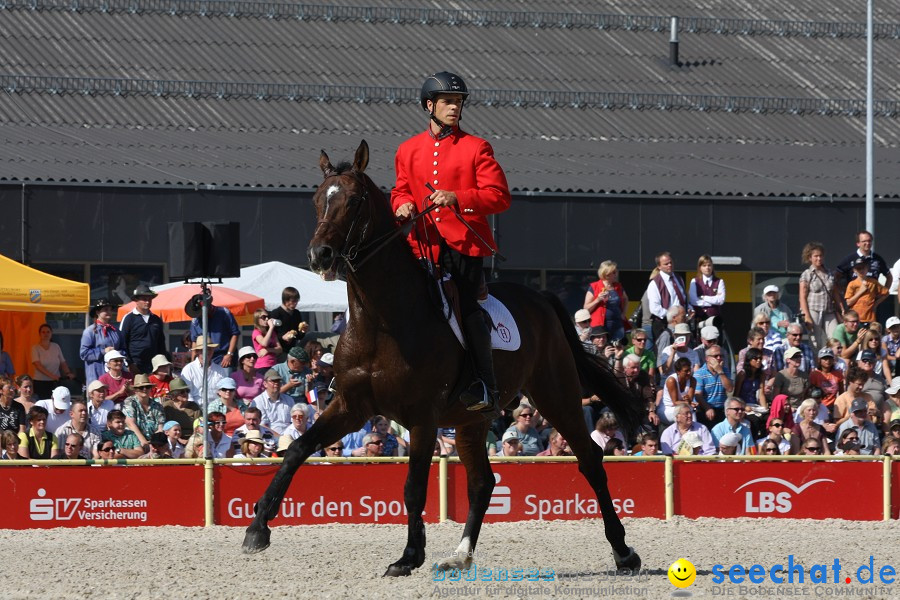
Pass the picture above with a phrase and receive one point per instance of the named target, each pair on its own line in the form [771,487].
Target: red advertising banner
[794,490]
[549,491]
[45,497]
[322,493]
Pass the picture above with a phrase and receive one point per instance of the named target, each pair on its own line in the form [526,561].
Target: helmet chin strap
[445,129]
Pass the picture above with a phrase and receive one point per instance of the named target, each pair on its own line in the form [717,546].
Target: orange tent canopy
[169,304]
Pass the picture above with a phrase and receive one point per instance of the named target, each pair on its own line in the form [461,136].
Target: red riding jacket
[460,163]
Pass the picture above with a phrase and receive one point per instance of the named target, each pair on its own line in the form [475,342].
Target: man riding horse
[457,171]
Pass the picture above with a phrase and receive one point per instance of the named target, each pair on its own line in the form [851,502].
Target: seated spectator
[192,373]
[72,447]
[892,402]
[875,383]
[780,314]
[26,395]
[10,446]
[638,347]
[814,447]
[159,447]
[750,383]
[770,448]
[649,444]
[614,447]
[730,444]
[249,382]
[382,426]
[177,407]
[98,406]
[675,316]
[781,409]
[670,441]
[557,446]
[274,405]
[856,381]
[808,429]
[252,446]
[776,437]
[299,420]
[847,443]
[713,387]
[143,415]
[57,408]
[353,440]
[37,442]
[680,348]
[295,374]
[890,446]
[372,446]
[125,441]
[220,443]
[791,381]
[869,437]
[773,338]
[265,341]
[78,424]
[50,367]
[253,422]
[335,450]
[606,429]
[735,412]
[172,430]
[117,381]
[891,343]
[582,320]
[12,414]
[864,293]
[677,390]
[794,340]
[105,450]
[229,404]
[881,364]
[98,339]
[849,334]
[528,436]
[600,345]
[641,385]
[826,378]
[756,338]
[511,445]
[691,445]
[709,335]
[321,382]
[839,363]
[161,377]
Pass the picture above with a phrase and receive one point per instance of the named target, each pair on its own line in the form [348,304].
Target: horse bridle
[350,251]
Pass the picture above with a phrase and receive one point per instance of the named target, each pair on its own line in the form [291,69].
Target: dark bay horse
[398,357]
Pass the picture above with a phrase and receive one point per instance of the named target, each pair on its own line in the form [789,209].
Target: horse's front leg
[330,427]
[421,447]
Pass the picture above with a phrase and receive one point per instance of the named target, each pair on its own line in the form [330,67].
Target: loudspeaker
[204,250]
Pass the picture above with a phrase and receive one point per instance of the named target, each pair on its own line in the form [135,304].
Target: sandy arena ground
[346,561]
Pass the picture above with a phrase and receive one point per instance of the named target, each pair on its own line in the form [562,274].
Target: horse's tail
[597,377]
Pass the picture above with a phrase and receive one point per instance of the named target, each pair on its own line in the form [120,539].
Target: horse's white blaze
[331,191]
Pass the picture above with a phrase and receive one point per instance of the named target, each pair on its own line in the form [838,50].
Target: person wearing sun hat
[192,373]
[180,408]
[143,332]
[143,415]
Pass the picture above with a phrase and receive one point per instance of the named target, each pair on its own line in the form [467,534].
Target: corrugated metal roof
[161,92]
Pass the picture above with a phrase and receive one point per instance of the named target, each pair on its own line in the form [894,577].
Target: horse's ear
[325,165]
[361,160]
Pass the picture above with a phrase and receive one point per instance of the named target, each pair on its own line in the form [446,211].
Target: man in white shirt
[192,373]
[274,406]
[665,290]
[57,408]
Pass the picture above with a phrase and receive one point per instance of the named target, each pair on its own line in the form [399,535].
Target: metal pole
[204,312]
[870,127]
[673,43]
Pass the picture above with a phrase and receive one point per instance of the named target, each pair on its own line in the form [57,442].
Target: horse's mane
[343,167]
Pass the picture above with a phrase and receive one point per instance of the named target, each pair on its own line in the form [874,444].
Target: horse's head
[345,213]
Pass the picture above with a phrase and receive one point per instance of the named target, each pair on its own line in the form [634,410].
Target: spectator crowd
[816,378]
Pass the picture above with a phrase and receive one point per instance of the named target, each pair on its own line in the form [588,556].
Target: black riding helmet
[442,83]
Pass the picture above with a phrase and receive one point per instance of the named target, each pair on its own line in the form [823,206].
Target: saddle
[504,330]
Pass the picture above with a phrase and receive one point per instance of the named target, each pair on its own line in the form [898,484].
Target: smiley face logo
[682,573]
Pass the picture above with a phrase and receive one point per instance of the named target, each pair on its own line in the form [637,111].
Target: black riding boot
[482,394]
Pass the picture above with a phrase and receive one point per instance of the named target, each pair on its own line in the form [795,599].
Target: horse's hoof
[256,540]
[629,564]
[398,570]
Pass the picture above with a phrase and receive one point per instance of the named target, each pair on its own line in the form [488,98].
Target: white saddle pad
[504,335]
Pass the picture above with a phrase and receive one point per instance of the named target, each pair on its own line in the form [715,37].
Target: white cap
[112,354]
[709,333]
[246,351]
[582,315]
[891,322]
[62,398]
[327,358]
[692,438]
[770,288]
